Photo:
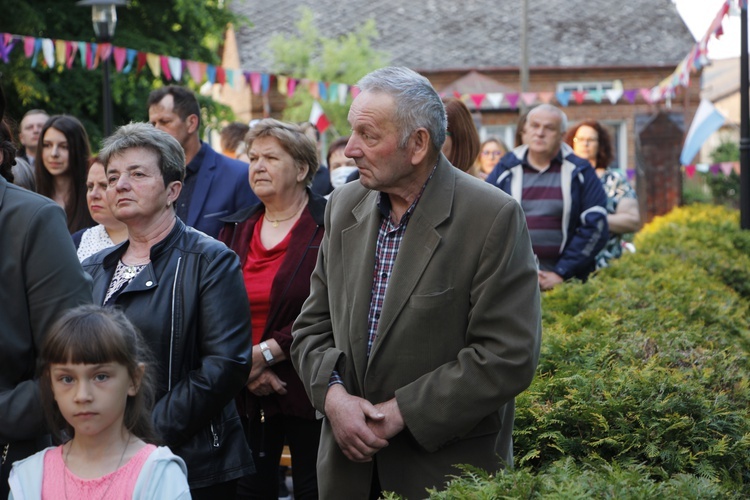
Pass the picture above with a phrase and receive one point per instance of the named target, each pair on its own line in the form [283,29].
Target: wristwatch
[267,354]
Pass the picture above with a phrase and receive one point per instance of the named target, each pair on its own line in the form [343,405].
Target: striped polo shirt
[542,202]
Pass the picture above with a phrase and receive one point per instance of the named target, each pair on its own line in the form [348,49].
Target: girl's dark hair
[463,133]
[96,335]
[79,151]
[605,153]
[8,151]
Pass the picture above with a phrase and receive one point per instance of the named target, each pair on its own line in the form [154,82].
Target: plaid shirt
[386,250]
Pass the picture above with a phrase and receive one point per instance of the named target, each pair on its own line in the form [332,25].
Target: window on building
[586,86]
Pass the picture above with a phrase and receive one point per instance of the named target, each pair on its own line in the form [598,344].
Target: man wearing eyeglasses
[564,202]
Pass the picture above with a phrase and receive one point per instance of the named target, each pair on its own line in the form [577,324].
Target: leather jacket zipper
[216,436]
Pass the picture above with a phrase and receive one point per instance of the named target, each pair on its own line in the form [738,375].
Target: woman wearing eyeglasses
[591,141]
[490,152]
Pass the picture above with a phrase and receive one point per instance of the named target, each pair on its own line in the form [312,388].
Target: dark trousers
[266,441]
[227,490]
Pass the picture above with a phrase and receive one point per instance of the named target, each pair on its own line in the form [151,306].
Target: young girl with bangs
[96,391]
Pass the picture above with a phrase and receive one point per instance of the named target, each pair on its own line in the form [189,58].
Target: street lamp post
[104,19]
[744,124]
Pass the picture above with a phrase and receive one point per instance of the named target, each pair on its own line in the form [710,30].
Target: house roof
[431,35]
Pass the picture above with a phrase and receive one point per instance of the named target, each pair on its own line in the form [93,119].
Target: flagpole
[744,123]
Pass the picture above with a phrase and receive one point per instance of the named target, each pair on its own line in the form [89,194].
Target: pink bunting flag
[579,96]
[528,98]
[477,100]
[70,53]
[646,94]
[726,167]
[164,63]
[195,70]
[546,97]
[291,87]
[120,54]
[105,51]
[355,91]
[255,82]
[512,99]
[457,94]
[690,171]
[28,46]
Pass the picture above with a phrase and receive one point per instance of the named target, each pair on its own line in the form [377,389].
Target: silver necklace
[111,480]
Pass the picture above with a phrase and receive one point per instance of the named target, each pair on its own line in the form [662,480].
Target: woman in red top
[277,241]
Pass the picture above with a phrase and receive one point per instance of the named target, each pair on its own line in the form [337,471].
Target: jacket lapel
[358,251]
[203,180]
[418,246]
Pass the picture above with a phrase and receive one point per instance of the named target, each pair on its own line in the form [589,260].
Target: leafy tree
[181,28]
[309,54]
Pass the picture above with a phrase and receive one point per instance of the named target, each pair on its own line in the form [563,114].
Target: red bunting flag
[318,117]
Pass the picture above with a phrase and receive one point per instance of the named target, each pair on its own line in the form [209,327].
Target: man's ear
[192,123]
[420,141]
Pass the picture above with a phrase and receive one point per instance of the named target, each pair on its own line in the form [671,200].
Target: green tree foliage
[725,188]
[181,28]
[310,54]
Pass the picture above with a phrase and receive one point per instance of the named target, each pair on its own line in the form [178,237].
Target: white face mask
[339,176]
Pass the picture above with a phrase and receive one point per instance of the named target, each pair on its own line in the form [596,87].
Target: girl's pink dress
[58,482]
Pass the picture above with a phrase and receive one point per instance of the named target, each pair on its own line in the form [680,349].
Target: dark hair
[8,150]
[292,140]
[463,132]
[185,102]
[337,144]
[76,209]
[232,135]
[92,334]
[605,153]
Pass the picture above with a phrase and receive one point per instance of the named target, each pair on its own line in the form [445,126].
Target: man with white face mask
[339,165]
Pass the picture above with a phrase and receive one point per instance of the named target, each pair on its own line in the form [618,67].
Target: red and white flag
[318,117]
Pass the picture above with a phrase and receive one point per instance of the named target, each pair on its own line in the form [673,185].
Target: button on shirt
[182,205]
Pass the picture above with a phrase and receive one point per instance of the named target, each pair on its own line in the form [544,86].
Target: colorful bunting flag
[318,117]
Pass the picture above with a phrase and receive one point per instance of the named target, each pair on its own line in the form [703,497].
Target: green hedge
[643,383]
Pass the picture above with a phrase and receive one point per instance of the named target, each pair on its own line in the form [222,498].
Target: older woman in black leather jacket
[185,293]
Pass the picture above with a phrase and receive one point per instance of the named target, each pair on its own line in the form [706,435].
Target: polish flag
[318,117]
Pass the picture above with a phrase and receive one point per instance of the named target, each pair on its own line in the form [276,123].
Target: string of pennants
[65,53]
[725,168]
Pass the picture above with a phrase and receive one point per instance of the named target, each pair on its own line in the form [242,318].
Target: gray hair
[418,105]
[553,109]
[292,139]
[171,156]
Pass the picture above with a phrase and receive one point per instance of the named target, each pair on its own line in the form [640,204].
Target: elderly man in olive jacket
[424,313]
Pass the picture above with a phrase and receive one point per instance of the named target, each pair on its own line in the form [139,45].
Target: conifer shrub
[643,385]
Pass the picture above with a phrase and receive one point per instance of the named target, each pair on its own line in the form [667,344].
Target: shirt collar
[384,201]
[197,161]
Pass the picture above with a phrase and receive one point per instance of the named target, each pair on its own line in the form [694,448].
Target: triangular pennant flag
[175,67]
[646,94]
[82,49]
[457,94]
[614,95]
[512,99]
[282,84]
[314,89]
[291,86]
[495,99]
[596,95]
[48,51]
[265,82]
[563,97]
[477,99]
[355,91]
[230,77]
[154,64]
[333,92]
[6,46]
[631,174]
[546,97]
[255,83]
[132,54]
[195,70]
[221,75]
[726,167]
[164,64]
[702,167]
[29,42]
[630,95]
[60,52]
[323,91]
[119,55]
[91,60]
[579,96]
[715,168]
[211,73]
[528,98]
[343,92]
[690,171]
[142,60]
[318,117]
[70,53]
[105,51]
